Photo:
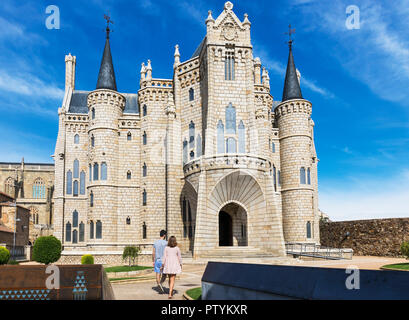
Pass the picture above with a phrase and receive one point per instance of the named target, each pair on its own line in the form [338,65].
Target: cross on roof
[290,32]
[108,19]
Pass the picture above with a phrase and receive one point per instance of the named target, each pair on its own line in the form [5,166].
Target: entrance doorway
[233,226]
[225,229]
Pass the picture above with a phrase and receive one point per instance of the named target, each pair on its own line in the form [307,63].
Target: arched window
[91,229]
[229,67]
[275,178]
[82,182]
[91,199]
[96,171]
[69,182]
[93,113]
[74,236]
[309,176]
[98,233]
[76,169]
[230,119]
[191,94]
[39,189]
[92,141]
[279,178]
[184,151]
[128,220]
[242,137]
[144,231]
[104,171]
[90,172]
[144,110]
[34,214]
[231,145]
[308,230]
[75,219]
[198,146]
[68,232]
[220,137]
[144,138]
[129,175]
[144,197]
[76,139]
[144,170]
[9,186]
[302,175]
[82,231]
[191,135]
[75,193]
[129,136]
[273,147]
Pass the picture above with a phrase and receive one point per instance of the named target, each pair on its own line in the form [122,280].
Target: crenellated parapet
[105,97]
[293,106]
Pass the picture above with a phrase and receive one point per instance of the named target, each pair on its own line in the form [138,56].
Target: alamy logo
[352,281]
[53,280]
[53,20]
[353,16]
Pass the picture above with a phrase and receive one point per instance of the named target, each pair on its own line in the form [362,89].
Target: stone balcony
[227,161]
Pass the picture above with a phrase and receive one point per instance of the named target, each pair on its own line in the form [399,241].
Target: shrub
[4,255]
[404,249]
[131,253]
[87,259]
[13,262]
[47,249]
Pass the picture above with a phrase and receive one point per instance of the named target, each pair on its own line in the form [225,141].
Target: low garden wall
[377,237]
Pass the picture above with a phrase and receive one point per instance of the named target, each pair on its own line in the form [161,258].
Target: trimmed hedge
[87,259]
[4,255]
[47,249]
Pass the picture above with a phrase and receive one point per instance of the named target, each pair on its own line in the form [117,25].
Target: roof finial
[108,19]
[290,32]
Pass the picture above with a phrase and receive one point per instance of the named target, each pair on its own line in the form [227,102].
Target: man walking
[157,259]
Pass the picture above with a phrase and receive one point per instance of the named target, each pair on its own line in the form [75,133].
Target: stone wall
[378,237]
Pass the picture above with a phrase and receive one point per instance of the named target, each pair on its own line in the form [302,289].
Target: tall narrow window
[229,67]
[309,176]
[92,141]
[93,113]
[230,119]
[75,219]
[104,171]
[279,177]
[91,199]
[308,230]
[128,220]
[242,137]
[191,94]
[185,151]
[273,147]
[144,197]
[129,175]
[76,139]
[129,136]
[74,236]
[144,170]
[82,182]
[198,146]
[96,171]
[191,135]
[302,175]
[275,178]
[75,193]
[9,186]
[82,231]
[90,172]
[68,232]
[98,233]
[39,189]
[231,145]
[76,169]
[91,229]
[144,138]
[144,110]
[144,231]
[69,182]
[220,137]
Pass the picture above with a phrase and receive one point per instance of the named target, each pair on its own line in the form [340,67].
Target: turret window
[309,176]
[129,175]
[128,220]
[91,229]
[279,178]
[275,178]
[144,110]
[69,182]
[191,94]
[191,135]
[144,138]
[92,141]
[302,175]
[96,171]
[104,171]
[129,136]
[273,147]
[91,199]
[98,233]
[90,173]
[309,233]
[76,139]
[144,170]
[144,197]
[185,151]
[220,137]
[93,113]
[198,146]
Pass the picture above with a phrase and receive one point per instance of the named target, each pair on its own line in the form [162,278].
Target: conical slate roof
[292,88]
[106,76]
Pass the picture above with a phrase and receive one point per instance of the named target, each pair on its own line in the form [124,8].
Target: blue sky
[357,80]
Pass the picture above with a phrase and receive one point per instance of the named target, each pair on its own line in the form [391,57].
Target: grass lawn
[398,266]
[195,293]
[131,278]
[126,268]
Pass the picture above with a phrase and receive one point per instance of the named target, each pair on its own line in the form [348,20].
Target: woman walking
[172,263]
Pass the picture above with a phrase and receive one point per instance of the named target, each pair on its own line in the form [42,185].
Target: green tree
[131,253]
[4,255]
[404,249]
[87,259]
[47,249]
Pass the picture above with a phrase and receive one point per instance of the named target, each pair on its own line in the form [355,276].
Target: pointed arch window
[129,175]
[231,145]
[309,176]
[229,71]
[76,169]
[68,232]
[191,135]
[144,231]
[128,220]
[198,146]
[91,229]
[230,119]
[302,175]
[273,147]
[75,193]
[191,94]
[9,186]
[75,219]
[275,178]
[82,182]
[129,136]
[76,139]
[144,197]
[91,199]
[69,182]
[39,189]
[92,141]
[74,236]
[82,232]
[309,233]
[242,137]
[144,170]
[220,137]
[96,171]
[185,151]
[90,172]
[144,110]
[98,233]
[279,178]
[93,113]
[104,171]
[144,138]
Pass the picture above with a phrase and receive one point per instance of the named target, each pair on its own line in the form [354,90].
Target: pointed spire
[292,88]
[246,20]
[106,76]
[209,17]
[177,56]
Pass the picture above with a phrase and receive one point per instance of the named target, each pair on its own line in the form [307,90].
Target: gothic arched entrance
[232,226]
[225,229]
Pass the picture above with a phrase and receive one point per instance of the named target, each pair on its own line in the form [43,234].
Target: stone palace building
[208,155]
